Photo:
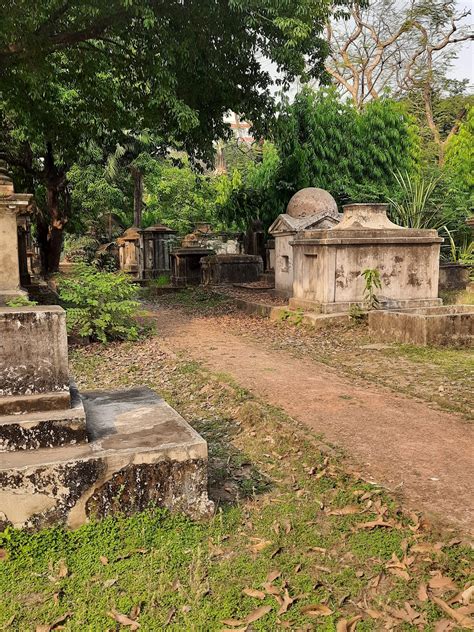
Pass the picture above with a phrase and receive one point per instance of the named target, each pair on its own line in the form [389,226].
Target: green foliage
[21,301]
[462,252]
[80,248]
[414,207]
[177,195]
[460,156]
[372,283]
[100,304]
[253,193]
[327,143]
[356,314]
[96,197]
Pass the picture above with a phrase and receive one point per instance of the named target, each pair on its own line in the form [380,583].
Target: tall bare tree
[399,48]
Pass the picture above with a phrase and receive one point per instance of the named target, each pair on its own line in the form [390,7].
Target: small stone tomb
[226,269]
[66,459]
[436,326]
[310,208]
[328,264]
[186,265]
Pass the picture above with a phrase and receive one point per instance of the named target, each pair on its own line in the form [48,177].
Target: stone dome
[311,201]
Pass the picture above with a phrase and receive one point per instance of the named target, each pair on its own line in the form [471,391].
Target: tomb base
[345,306]
[140,453]
[44,426]
[438,326]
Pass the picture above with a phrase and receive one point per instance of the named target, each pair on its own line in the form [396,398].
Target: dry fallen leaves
[258,545]
[317,610]
[255,615]
[422,593]
[54,624]
[251,592]
[110,582]
[285,602]
[272,576]
[124,620]
[460,618]
[348,625]
[345,511]
[440,584]
[377,523]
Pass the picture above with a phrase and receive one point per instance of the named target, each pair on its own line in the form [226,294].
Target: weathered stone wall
[33,351]
[284,264]
[9,268]
[225,269]
[447,325]
[332,273]
[453,276]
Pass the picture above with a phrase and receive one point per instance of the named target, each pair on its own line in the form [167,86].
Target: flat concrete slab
[142,453]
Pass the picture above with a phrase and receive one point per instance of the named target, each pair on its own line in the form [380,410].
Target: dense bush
[100,305]
[325,142]
[321,141]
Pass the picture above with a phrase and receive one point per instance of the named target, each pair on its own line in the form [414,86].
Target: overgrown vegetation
[100,305]
[21,301]
[373,283]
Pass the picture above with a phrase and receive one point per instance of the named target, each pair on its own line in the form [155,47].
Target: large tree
[76,71]
[403,48]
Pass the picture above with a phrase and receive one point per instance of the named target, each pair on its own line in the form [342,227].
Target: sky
[463,67]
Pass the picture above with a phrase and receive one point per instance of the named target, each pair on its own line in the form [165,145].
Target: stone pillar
[11,206]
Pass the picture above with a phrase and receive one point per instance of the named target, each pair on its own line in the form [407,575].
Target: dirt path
[425,455]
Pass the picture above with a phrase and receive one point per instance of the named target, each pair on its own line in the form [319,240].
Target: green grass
[283,484]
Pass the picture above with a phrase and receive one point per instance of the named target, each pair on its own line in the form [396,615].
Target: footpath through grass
[297,543]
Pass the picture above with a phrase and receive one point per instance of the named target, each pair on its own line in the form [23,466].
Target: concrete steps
[141,453]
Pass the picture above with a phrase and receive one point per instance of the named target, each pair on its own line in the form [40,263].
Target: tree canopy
[77,71]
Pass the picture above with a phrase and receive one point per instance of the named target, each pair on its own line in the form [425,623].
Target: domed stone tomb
[311,201]
[310,208]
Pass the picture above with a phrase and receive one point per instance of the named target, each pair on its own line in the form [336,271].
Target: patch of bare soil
[422,453]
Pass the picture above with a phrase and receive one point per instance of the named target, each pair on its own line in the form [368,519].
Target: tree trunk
[51,239]
[137,196]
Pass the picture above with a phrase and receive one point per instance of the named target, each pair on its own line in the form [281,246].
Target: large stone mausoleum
[328,263]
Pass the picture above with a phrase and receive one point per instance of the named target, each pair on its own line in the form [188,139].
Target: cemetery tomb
[310,208]
[328,263]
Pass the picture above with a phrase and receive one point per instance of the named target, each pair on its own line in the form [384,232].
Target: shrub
[101,305]
[20,301]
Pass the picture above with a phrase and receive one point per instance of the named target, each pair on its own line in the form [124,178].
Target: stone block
[33,358]
[44,429]
[453,276]
[447,325]
[141,453]
[227,269]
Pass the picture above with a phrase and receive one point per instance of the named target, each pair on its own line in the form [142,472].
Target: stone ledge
[18,404]
[44,429]
[144,453]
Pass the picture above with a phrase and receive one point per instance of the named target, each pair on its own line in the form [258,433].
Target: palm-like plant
[414,209]
[462,252]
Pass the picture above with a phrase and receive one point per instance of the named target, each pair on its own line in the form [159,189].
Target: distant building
[241,131]
[240,128]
